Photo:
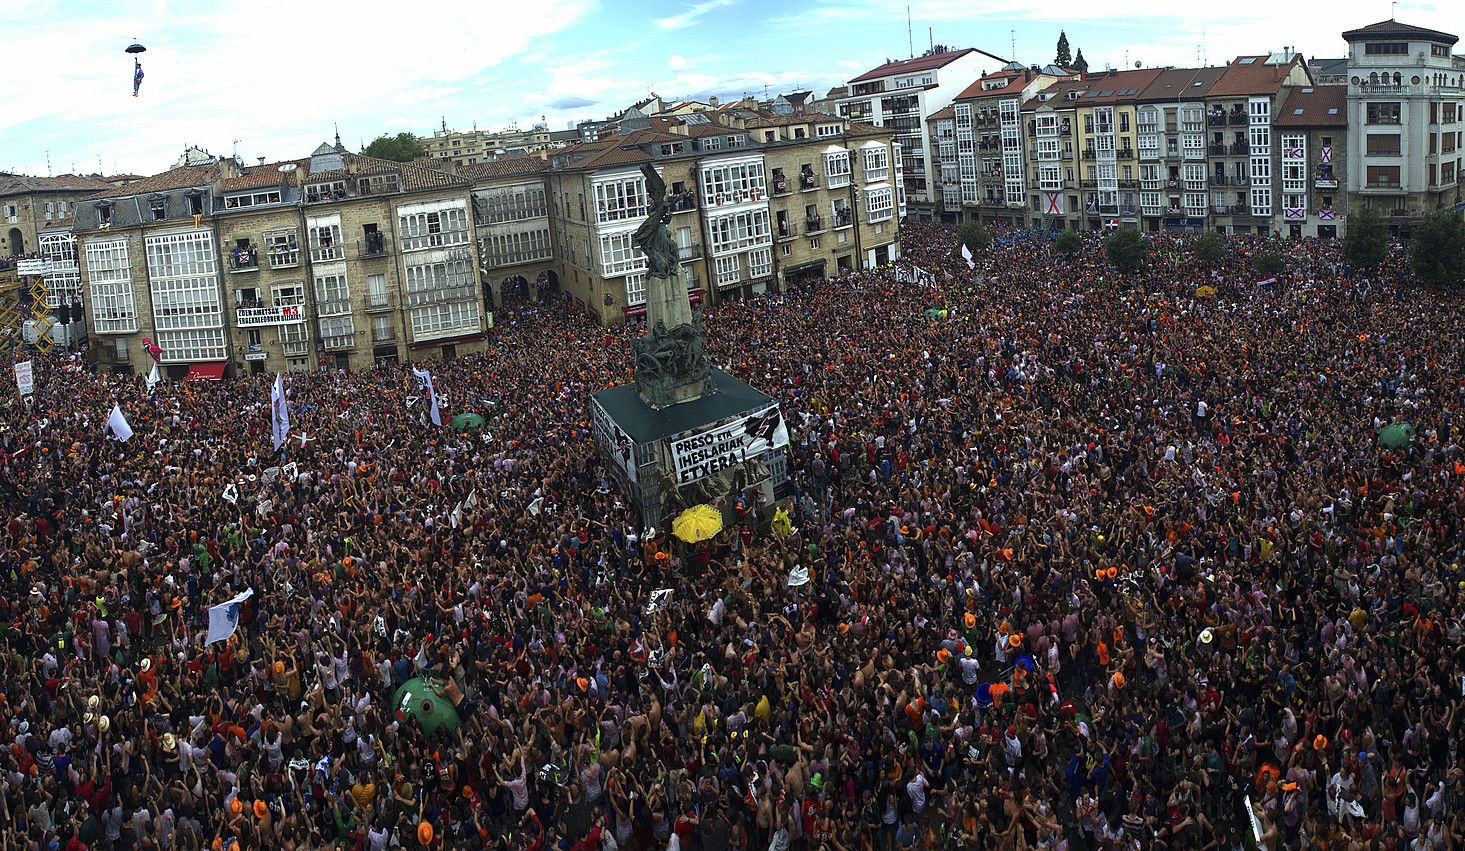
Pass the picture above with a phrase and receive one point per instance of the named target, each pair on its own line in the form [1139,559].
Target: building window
[712,143]
[333,191]
[182,272]
[1383,176]
[740,230]
[251,199]
[735,182]
[440,281]
[109,275]
[735,141]
[726,269]
[188,346]
[618,256]
[509,204]
[837,169]
[824,131]
[444,319]
[877,164]
[508,249]
[635,289]
[760,263]
[879,203]
[1382,112]
[1382,144]
[1386,48]
[325,239]
[332,295]
[436,228]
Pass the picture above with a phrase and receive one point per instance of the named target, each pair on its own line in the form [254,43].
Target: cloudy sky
[276,74]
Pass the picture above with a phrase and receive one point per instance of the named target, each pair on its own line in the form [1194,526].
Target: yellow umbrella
[697,523]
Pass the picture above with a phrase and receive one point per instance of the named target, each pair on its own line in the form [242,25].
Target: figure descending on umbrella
[137,74]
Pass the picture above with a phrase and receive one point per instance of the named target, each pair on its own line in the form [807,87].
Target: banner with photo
[614,439]
[701,454]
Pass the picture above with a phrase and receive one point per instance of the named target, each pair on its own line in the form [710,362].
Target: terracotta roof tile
[1386,29]
[1102,89]
[178,178]
[263,175]
[23,184]
[1008,78]
[1314,106]
[1180,84]
[1251,75]
[921,63]
[504,167]
[947,112]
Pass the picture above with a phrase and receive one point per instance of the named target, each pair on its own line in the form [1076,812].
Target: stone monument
[686,433]
[671,359]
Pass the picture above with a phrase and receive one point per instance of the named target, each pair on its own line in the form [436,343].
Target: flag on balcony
[117,425]
[424,383]
[279,412]
[966,254]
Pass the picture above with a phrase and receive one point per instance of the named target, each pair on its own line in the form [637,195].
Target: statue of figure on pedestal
[671,360]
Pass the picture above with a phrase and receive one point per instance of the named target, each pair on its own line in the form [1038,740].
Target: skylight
[1297,111]
[1247,61]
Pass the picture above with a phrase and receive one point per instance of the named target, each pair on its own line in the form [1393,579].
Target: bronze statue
[671,359]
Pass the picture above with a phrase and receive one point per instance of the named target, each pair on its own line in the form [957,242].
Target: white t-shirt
[917,790]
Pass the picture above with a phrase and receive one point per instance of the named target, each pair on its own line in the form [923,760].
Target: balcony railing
[1128,184]
[338,343]
[683,203]
[1172,184]
[784,230]
[688,253]
[1216,119]
[1088,153]
[778,185]
[383,335]
[1126,153]
[244,260]
[1326,183]
[514,258]
[1239,149]
[1221,209]
[814,225]
[371,247]
[808,181]
[378,301]
[282,257]
[1089,184]
[1237,119]
[1173,211]
[1216,149]
[843,218]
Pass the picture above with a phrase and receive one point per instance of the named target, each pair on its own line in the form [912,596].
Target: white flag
[224,618]
[117,425]
[966,254]
[424,382]
[279,412]
[153,377]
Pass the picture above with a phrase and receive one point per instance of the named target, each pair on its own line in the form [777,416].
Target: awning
[804,267]
[448,341]
[211,371]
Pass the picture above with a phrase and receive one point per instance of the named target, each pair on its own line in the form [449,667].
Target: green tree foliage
[402,148]
[1080,63]
[974,236]
[1268,263]
[1068,243]
[1064,57]
[1209,248]
[1127,250]
[1438,250]
[1367,243]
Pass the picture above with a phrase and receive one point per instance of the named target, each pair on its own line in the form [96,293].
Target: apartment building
[1405,118]
[469,147]
[974,167]
[1240,110]
[757,201]
[336,260]
[1170,125]
[511,215]
[1312,128]
[30,205]
[903,95]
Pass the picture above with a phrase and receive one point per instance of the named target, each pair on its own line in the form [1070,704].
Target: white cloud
[692,15]
[284,71]
[676,62]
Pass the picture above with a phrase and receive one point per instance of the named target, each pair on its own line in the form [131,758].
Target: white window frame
[112,303]
[836,169]
[620,199]
[619,256]
[879,204]
[727,269]
[876,161]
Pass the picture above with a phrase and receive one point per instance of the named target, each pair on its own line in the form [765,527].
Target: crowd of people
[1093,562]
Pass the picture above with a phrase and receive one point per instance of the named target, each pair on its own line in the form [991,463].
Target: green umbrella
[419,699]
[466,421]
[1396,435]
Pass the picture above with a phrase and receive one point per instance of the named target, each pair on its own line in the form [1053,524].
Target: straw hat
[1015,640]
[1206,636]
[104,724]
[261,809]
[170,742]
[424,833]
[236,806]
[969,619]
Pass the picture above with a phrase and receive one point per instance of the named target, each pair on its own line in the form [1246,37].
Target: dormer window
[195,203]
[104,213]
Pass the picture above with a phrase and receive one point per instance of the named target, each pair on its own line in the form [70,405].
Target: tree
[402,148]
[1209,248]
[1268,263]
[1068,243]
[1367,243]
[1080,64]
[974,236]
[1127,250]
[1063,58]
[1439,249]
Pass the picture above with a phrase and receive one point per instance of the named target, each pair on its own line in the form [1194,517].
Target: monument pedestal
[719,447]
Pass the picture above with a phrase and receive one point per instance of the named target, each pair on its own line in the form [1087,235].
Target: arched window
[1373,78]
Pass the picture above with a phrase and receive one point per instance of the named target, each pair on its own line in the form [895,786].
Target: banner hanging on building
[618,445]
[704,453]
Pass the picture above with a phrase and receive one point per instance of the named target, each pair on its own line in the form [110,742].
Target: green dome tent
[420,699]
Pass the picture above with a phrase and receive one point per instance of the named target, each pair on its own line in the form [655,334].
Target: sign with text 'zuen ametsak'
[254,317]
[703,453]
